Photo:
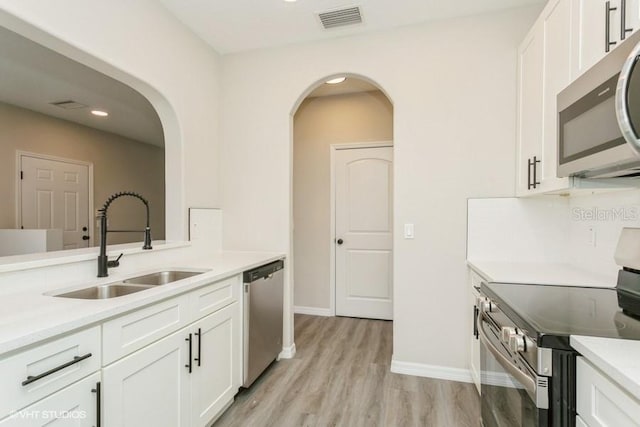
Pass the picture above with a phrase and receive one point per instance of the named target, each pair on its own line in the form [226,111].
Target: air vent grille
[69,105]
[341,17]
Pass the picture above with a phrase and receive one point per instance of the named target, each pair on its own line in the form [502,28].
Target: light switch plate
[408,231]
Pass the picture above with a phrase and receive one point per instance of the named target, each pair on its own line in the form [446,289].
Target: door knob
[339,241]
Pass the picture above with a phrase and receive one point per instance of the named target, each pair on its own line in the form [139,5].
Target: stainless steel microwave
[599,117]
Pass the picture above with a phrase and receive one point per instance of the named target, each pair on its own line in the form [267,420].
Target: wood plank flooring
[341,377]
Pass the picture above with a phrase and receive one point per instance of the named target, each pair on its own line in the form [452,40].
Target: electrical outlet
[591,236]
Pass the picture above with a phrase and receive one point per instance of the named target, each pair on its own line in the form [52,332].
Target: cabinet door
[149,387]
[632,16]
[557,75]
[75,405]
[474,362]
[217,375]
[530,78]
[589,18]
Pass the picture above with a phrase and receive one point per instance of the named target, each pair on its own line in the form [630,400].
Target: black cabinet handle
[189,365]
[33,378]
[607,26]
[98,392]
[339,241]
[475,322]
[623,20]
[535,173]
[199,335]
[85,237]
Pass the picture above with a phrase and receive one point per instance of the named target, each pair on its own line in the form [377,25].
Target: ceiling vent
[340,17]
[69,105]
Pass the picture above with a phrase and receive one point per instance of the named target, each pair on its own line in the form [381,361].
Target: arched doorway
[342,200]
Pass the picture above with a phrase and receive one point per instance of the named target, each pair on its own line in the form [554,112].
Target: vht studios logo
[614,214]
[49,415]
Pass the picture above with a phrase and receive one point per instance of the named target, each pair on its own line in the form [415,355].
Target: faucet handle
[114,263]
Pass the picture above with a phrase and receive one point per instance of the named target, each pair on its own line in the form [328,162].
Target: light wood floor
[341,377]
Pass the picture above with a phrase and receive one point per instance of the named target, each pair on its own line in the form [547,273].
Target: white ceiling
[32,77]
[238,25]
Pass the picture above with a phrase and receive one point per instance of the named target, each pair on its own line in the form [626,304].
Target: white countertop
[540,274]
[29,316]
[618,359]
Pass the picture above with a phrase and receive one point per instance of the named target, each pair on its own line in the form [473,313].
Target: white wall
[452,84]
[318,123]
[141,44]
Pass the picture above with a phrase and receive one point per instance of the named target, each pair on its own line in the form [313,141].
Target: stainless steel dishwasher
[263,290]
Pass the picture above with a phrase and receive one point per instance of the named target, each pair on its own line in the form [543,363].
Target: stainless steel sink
[111,290]
[129,286]
[161,277]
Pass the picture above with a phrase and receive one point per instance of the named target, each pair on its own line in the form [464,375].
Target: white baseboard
[431,371]
[313,311]
[288,352]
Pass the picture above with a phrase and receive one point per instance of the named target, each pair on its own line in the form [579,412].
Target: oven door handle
[527,381]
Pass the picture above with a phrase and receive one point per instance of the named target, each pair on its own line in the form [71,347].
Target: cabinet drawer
[131,332]
[39,371]
[211,298]
[601,402]
[76,404]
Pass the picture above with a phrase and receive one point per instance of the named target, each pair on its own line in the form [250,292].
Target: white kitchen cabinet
[544,69]
[474,356]
[75,405]
[185,379]
[600,402]
[530,78]
[43,369]
[580,422]
[149,387]
[557,76]
[217,374]
[590,37]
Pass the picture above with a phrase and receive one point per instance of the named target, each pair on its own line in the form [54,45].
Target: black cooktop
[550,314]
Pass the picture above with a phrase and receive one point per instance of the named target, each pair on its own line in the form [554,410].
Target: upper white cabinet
[544,69]
[599,26]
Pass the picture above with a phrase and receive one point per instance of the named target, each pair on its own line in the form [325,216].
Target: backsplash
[580,230]
[595,222]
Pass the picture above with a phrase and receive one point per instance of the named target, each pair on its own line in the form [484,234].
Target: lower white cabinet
[149,387]
[474,357]
[217,373]
[602,403]
[75,405]
[184,379]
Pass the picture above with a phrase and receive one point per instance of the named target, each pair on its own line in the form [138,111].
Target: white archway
[292,250]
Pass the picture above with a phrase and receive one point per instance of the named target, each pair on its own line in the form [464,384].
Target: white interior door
[364,232]
[55,194]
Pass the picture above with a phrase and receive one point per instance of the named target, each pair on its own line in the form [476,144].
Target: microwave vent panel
[340,17]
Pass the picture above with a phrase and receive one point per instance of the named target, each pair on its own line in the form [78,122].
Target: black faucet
[103,261]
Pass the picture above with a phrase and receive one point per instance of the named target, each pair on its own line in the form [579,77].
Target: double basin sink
[129,286]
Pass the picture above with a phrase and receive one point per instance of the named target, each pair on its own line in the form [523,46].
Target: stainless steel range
[527,364]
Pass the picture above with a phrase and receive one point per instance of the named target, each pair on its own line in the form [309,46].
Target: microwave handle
[622,101]
[607,26]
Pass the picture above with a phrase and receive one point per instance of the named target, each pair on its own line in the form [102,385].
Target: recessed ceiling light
[336,80]
[291,1]
[99,113]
